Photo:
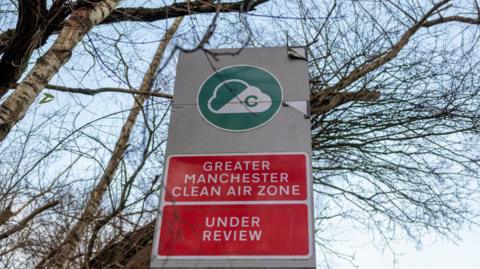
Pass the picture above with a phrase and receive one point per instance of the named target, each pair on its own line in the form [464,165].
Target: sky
[440,254]
[434,254]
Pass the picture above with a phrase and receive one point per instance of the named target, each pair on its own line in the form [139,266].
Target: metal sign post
[238,183]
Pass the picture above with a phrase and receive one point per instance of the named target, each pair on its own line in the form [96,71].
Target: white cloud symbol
[250,100]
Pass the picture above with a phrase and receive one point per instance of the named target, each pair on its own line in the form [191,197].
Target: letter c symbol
[251,103]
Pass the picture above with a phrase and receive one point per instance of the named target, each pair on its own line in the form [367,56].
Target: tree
[395,116]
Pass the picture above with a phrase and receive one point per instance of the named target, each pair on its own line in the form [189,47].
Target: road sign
[237,179]
[229,177]
[243,231]
[191,229]
[240,98]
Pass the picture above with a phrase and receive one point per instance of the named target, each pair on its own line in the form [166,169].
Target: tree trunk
[28,34]
[76,26]
[133,251]
[60,255]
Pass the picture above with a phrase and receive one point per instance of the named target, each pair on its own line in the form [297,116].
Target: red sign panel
[278,177]
[234,230]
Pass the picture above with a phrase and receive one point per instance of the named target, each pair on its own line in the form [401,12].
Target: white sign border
[307,202]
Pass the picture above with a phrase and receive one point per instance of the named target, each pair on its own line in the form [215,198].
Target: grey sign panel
[252,102]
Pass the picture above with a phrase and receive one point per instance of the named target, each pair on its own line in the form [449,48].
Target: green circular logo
[240,98]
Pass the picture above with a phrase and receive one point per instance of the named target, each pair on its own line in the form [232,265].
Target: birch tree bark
[59,256]
[395,119]
[76,26]
[36,24]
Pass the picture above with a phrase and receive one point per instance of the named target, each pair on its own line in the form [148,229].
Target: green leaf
[47,98]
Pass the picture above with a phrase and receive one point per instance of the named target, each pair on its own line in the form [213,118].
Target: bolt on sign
[237,186]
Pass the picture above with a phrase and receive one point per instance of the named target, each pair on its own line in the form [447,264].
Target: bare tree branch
[28,35]
[380,60]
[5,215]
[179,9]
[394,148]
[24,222]
[130,250]
[59,255]
[91,92]
[467,20]
[13,110]
[5,37]
[16,105]
[331,101]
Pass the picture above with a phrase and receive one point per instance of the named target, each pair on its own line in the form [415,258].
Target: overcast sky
[441,254]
